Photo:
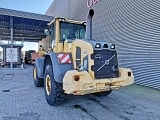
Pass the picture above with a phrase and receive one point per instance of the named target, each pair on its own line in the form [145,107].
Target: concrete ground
[21,100]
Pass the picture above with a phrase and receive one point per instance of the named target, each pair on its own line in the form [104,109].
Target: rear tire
[38,82]
[105,93]
[53,90]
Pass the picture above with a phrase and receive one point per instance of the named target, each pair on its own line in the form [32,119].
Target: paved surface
[20,100]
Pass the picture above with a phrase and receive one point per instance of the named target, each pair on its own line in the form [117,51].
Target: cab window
[71,31]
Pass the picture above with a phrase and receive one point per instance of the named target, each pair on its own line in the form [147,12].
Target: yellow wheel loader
[35,55]
[78,64]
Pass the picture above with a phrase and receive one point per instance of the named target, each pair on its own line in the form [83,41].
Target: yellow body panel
[88,85]
[57,36]
[67,47]
[85,46]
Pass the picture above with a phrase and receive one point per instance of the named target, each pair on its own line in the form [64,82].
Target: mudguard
[39,63]
[60,69]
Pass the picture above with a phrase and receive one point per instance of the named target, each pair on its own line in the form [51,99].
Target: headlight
[98,45]
[112,46]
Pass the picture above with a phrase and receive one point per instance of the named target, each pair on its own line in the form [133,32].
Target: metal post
[11,25]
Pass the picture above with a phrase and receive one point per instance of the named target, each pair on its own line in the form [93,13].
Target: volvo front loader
[78,64]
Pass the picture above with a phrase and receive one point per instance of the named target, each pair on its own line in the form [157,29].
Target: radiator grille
[102,70]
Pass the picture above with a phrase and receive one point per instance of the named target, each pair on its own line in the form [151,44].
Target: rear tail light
[76,77]
[129,74]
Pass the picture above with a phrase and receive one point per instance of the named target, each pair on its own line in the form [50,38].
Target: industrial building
[132,25]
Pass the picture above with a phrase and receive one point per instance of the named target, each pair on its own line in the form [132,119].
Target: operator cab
[61,29]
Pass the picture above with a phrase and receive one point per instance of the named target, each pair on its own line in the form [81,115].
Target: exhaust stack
[88,34]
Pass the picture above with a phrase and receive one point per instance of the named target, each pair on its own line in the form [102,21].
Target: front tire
[38,82]
[53,90]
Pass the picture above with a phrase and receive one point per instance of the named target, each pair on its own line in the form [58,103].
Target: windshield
[71,31]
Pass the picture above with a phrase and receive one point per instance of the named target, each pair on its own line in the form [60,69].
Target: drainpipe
[88,34]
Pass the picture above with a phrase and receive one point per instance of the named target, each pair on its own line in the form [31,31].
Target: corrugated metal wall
[133,25]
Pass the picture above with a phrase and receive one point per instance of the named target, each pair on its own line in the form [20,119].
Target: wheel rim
[48,85]
[35,73]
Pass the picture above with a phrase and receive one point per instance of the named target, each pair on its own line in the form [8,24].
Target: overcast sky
[33,6]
